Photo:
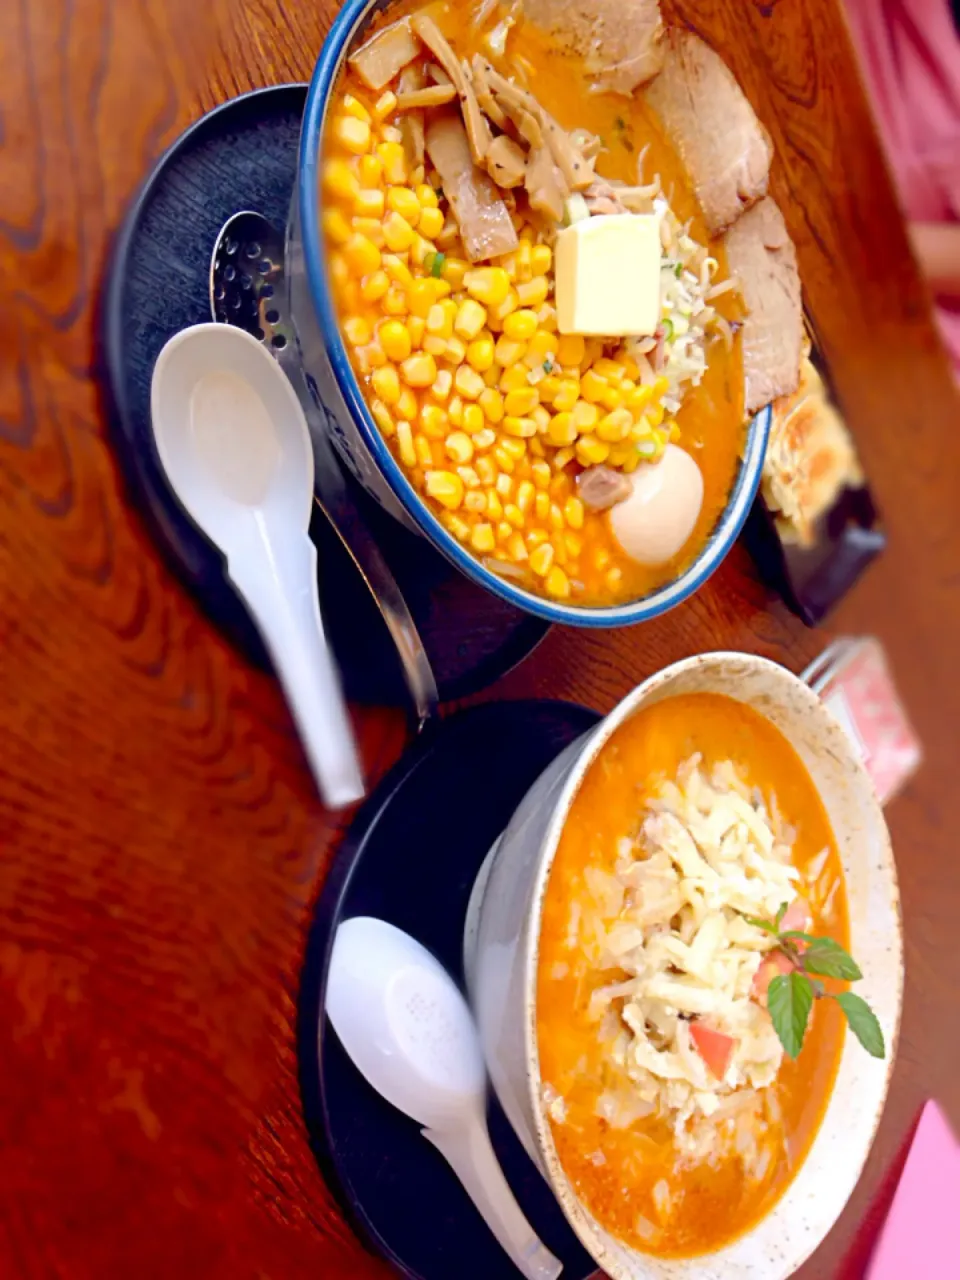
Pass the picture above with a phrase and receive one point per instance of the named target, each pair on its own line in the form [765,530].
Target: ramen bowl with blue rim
[340,397]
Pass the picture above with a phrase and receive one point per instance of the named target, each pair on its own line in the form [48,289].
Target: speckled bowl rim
[730,521]
[577,1215]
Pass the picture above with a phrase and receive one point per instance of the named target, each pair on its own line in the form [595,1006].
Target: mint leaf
[757,923]
[789,1000]
[863,1022]
[828,958]
[784,907]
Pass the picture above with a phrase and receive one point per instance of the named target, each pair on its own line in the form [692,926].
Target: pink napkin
[921,1236]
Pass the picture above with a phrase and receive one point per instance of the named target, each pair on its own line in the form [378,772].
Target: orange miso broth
[493,454]
[625,1175]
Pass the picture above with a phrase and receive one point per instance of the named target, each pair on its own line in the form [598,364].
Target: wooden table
[160,839]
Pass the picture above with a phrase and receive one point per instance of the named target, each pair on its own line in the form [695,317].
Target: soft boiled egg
[653,523]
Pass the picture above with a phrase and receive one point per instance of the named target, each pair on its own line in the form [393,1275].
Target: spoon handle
[279,586]
[468,1151]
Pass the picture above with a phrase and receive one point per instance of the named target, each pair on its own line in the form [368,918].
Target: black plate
[411,857]
[243,155]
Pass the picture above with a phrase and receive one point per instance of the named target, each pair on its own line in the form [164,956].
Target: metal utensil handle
[334,500]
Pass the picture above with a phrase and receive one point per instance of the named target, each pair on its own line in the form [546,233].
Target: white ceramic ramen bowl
[502,946]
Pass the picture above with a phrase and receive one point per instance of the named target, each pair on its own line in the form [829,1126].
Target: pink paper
[921,1237]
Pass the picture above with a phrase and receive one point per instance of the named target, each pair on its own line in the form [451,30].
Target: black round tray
[243,155]
[411,857]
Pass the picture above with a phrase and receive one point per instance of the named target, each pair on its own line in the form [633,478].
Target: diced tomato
[797,917]
[776,962]
[715,1048]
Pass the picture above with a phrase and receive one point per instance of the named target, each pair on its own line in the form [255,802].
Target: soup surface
[493,416]
[667,1169]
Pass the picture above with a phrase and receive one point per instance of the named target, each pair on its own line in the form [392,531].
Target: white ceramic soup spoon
[409,1031]
[235,446]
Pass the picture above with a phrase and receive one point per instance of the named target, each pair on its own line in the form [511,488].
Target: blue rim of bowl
[728,525]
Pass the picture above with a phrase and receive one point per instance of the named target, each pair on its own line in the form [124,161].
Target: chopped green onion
[548,365]
[678,269]
[436,264]
[667,326]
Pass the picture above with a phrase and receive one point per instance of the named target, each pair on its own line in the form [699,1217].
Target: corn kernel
[494,507]
[438,321]
[520,427]
[491,402]
[433,420]
[394,161]
[562,457]
[541,417]
[638,399]
[427,196]
[489,285]
[486,469]
[430,223]
[436,346]
[336,227]
[476,502]
[357,330]
[541,259]
[537,538]
[401,200]
[419,370]
[514,447]
[541,505]
[585,415]
[371,171]
[397,232]
[372,228]
[573,512]
[417,175]
[424,452]
[540,473]
[485,439]
[504,485]
[416,326]
[408,454]
[470,319]
[542,350]
[591,451]
[561,430]
[442,384]
[548,388]
[655,415]
[507,352]
[397,270]
[521,400]
[514,379]
[513,516]
[459,447]
[374,286]
[612,578]
[454,270]
[368,204]
[362,254]
[473,419]
[456,350]
[386,384]
[504,460]
[615,426]
[592,386]
[541,559]
[407,406]
[468,382]
[525,495]
[516,548]
[385,105]
[520,326]
[340,180]
[504,531]
[352,134]
[456,411]
[556,517]
[354,107]
[566,396]
[570,350]
[532,293]
[491,376]
[482,538]
[456,524]
[480,354]
[394,337]
[420,297]
[469,477]
[661,386]
[383,418]
[609,369]
[524,271]
[444,487]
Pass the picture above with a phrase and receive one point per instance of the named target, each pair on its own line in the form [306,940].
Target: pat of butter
[608,275]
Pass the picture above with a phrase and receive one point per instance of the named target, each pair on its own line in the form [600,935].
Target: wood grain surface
[160,841]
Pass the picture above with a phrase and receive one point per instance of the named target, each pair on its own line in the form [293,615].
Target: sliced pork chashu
[761,255]
[724,147]
[621,41]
